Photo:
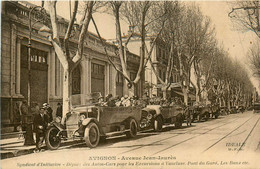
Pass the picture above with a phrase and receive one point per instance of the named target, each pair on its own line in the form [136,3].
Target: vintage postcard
[130,84]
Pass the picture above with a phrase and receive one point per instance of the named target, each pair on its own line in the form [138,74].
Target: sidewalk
[14,147]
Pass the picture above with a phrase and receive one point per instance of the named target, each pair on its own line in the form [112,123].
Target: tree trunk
[228,102]
[66,93]
[164,91]
[185,95]
[197,94]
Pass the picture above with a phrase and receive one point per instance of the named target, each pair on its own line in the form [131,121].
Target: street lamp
[30,47]
[29,134]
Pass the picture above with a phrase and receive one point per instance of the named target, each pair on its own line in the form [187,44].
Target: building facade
[93,74]
[159,58]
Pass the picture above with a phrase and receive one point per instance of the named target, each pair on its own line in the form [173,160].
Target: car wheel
[91,135]
[206,116]
[52,140]
[198,117]
[216,116]
[133,129]
[178,123]
[158,123]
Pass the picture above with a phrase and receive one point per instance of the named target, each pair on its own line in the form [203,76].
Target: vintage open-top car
[223,110]
[256,107]
[215,110]
[200,111]
[155,116]
[93,122]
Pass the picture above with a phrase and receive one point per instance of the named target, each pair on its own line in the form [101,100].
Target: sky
[235,42]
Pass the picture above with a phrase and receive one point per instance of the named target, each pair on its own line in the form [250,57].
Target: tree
[170,10]
[191,35]
[254,56]
[246,15]
[137,14]
[68,61]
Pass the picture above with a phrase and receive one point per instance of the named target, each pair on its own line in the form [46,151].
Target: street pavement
[231,141]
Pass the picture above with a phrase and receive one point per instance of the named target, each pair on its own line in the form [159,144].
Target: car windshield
[82,99]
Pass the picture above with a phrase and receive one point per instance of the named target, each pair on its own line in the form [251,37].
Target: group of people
[41,121]
[124,101]
[40,117]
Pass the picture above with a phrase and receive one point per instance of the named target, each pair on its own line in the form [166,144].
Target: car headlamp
[85,122]
[82,117]
[149,116]
[58,120]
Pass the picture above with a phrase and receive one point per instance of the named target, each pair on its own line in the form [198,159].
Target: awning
[191,96]
[173,85]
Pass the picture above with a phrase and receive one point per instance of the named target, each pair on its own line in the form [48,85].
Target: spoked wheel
[158,123]
[52,140]
[198,117]
[133,129]
[216,116]
[178,123]
[91,135]
[206,116]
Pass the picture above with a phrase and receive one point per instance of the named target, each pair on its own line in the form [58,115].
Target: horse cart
[92,123]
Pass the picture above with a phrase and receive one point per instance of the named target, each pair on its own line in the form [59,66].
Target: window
[98,69]
[132,76]
[119,78]
[159,52]
[38,56]
[160,73]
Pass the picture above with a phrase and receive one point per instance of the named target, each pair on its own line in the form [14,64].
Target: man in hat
[40,124]
[24,110]
[59,110]
[48,111]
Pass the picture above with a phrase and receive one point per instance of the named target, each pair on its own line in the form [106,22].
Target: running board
[117,132]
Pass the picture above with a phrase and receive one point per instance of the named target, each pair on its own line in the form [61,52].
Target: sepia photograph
[131,83]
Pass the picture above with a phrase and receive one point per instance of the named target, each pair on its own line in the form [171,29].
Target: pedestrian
[24,113]
[59,110]
[40,124]
[17,117]
[48,111]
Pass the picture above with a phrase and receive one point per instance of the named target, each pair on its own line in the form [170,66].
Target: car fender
[59,126]
[87,121]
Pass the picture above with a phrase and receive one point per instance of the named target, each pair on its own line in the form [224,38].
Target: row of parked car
[94,122]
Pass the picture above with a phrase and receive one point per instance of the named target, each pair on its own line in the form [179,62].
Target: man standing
[24,113]
[40,125]
[59,110]
[49,111]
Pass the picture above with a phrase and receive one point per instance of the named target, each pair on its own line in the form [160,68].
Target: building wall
[15,34]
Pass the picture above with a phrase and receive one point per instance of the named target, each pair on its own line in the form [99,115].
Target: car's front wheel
[92,135]
[178,123]
[158,123]
[132,129]
[52,139]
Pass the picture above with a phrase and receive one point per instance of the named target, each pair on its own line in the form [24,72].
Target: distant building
[159,59]
[93,74]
